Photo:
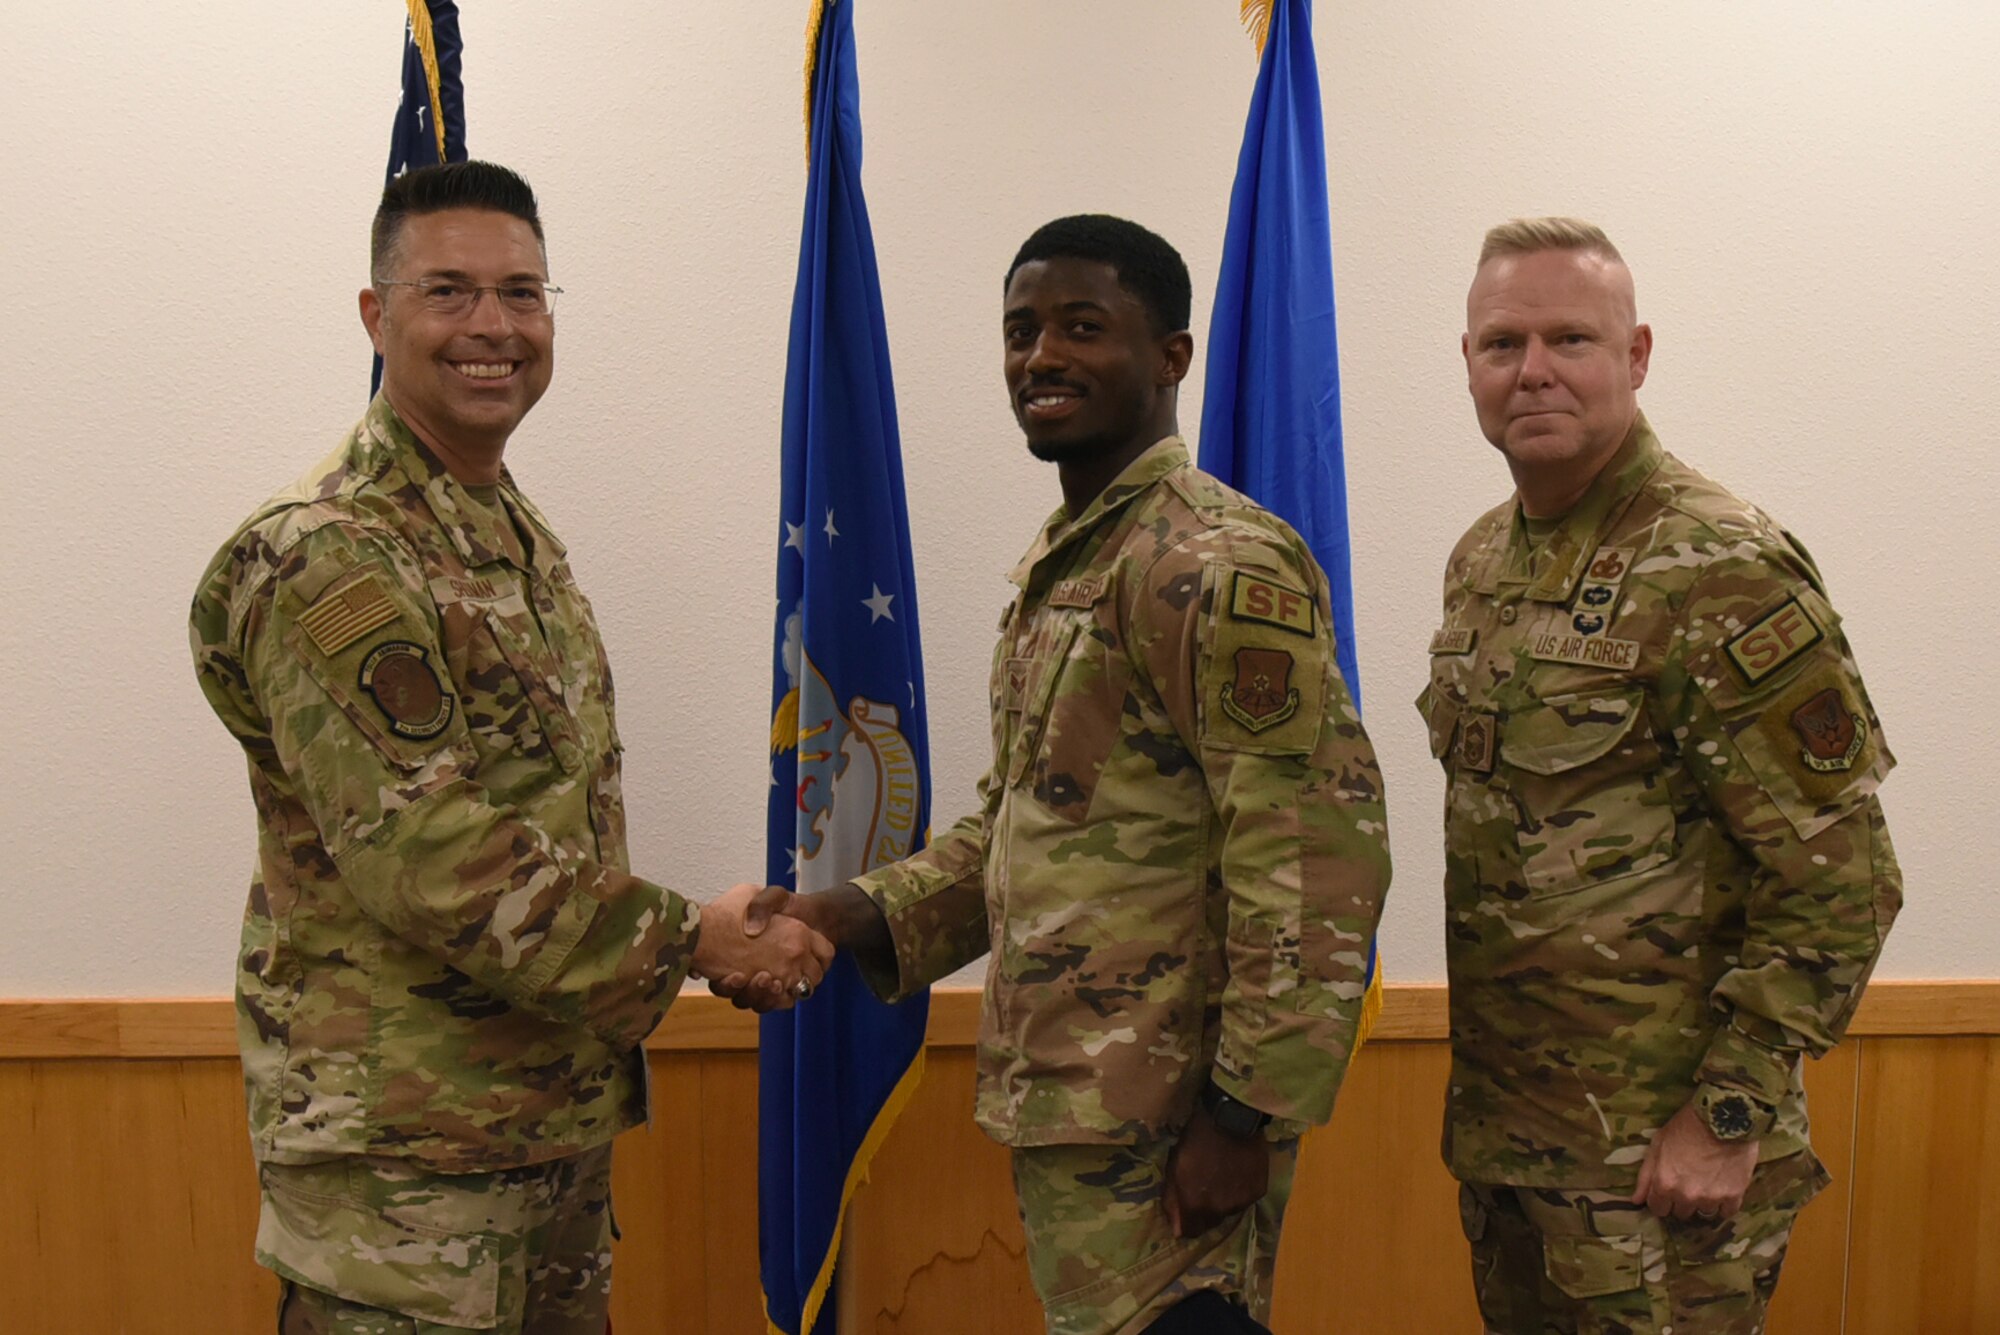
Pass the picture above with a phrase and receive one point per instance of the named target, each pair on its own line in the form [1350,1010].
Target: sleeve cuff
[1739,1062]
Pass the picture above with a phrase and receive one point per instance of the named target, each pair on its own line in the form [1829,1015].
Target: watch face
[1729,1117]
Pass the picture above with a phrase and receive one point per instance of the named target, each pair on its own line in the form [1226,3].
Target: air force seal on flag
[858,787]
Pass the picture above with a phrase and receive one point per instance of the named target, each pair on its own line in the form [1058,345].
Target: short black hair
[1147,266]
[453,185]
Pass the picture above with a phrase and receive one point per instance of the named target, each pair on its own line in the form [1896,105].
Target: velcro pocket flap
[1594,1267]
[1568,731]
[1040,674]
[1440,719]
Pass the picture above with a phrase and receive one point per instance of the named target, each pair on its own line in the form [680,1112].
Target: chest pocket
[1589,787]
[1074,687]
[513,682]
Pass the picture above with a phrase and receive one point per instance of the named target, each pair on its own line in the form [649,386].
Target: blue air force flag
[1270,421]
[850,771]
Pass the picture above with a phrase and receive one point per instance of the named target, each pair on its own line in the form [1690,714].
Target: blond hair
[1525,236]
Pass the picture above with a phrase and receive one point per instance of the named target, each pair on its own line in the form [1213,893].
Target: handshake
[766,948]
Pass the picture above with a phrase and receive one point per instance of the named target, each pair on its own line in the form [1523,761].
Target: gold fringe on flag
[426,40]
[815,17]
[1371,1010]
[857,1174]
[1257,18]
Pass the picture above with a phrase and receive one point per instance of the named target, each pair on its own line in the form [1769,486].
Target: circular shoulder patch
[406,689]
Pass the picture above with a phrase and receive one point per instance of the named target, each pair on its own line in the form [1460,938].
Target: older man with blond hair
[1667,873]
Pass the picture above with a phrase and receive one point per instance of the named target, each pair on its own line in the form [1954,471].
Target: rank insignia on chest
[1477,736]
[1014,684]
[406,689]
[1833,734]
[1262,696]
[1257,599]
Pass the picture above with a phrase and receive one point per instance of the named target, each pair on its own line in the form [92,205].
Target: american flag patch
[349,612]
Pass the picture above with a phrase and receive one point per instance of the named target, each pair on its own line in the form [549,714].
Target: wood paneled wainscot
[128,1205]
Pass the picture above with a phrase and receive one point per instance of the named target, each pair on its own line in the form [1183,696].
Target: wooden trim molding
[189,1027]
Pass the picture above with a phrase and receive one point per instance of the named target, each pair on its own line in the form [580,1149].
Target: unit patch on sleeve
[1833,735]
[1262,696]
[406,689]
[1255,598]
[1775,640]
[343,616]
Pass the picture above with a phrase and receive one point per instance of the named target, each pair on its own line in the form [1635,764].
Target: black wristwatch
[1232,1116]
[1729,1116]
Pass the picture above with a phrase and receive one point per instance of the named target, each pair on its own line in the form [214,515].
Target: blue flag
[430,117]
[1270,419]
[1270,416]
[850,764]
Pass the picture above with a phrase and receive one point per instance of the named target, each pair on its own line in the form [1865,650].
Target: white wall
[1807,192]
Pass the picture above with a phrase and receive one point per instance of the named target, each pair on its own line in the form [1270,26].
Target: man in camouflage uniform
[1180,853]
[1667,873]
[447,968]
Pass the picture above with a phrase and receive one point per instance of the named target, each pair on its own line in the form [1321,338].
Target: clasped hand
[770,910]
[1689,1174]
[773,963]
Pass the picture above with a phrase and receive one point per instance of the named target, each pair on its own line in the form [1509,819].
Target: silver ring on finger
[802,989]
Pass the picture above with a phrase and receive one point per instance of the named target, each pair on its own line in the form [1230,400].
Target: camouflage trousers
[1103,1258]
[1551,1262]
[374,1246]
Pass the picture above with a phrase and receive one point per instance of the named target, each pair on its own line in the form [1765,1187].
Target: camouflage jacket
[1664,862]
[1180,854]
[444,956]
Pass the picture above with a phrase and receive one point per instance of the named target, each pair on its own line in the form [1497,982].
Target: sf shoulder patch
[344,614]
[405,687]
[1774,640]
[1254,598]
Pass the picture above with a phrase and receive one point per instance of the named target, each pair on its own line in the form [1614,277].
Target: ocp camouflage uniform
[446,967]
[1177,867]
[1666,869]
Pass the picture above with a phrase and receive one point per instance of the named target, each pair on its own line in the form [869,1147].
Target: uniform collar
[1548,572]
[477,532]
[1060,532]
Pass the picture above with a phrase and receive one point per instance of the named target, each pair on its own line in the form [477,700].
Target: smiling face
[1554,357]
[1089,376]
[462,382]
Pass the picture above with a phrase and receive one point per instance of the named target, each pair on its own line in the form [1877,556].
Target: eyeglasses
[448,297]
